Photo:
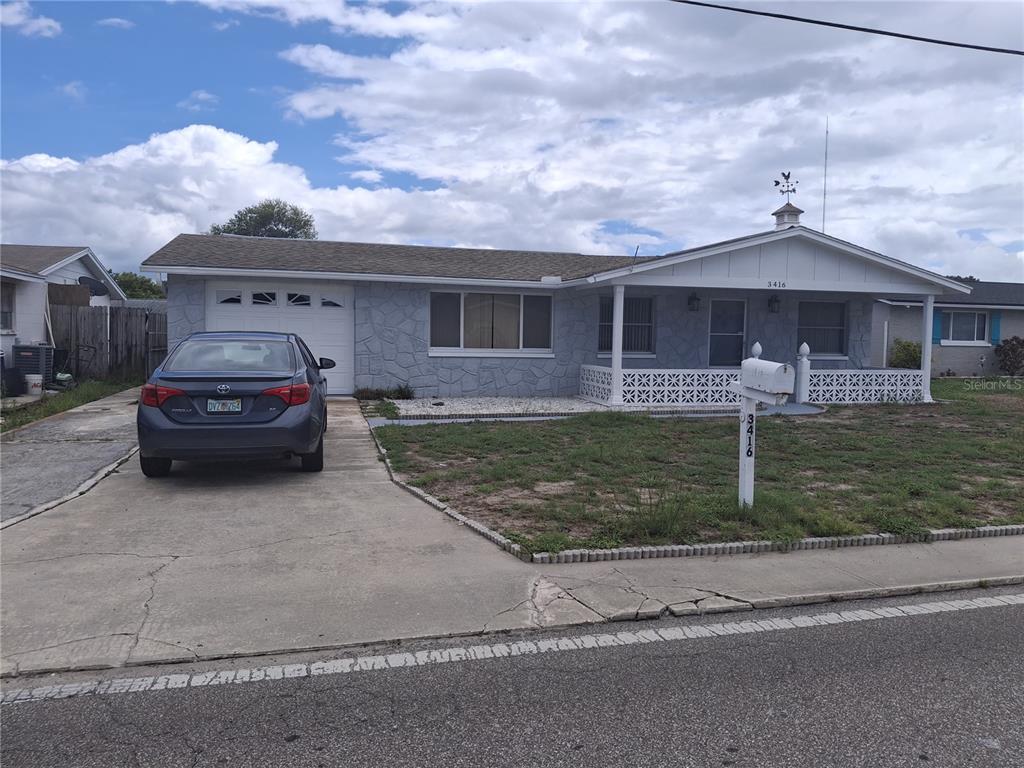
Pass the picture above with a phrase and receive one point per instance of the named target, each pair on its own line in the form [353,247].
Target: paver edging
[567,556]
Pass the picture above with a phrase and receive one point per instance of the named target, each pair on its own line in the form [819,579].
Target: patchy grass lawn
[615,479]
[84,393]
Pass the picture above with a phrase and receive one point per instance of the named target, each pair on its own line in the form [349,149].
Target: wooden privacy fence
[118,343]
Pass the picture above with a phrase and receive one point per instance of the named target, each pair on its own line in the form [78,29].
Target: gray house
[965,328]
[456,321]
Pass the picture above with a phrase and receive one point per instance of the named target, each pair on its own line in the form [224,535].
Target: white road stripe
[353,664]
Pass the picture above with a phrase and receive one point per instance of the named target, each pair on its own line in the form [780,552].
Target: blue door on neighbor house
[726,341]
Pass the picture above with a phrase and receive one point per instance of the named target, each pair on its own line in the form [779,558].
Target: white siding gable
[793,264]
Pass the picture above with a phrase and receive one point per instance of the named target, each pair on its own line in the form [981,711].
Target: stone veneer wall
[186,307]
[392,332]
[392,340]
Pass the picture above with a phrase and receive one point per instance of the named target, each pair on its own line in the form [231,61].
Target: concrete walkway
[231,560]
[48,460]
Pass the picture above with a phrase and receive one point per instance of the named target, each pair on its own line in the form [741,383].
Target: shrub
[401,392]
[905,354]
[1010,353]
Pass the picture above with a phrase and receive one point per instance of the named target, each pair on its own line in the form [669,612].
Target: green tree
[270,218]
[138,286]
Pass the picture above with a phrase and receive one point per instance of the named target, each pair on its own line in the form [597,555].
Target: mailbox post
[761,381]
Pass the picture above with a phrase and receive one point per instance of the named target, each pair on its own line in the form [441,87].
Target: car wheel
[154,466]
[314,462]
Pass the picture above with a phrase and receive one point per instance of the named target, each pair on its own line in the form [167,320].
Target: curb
[718,411]
[755,604]
[83,488]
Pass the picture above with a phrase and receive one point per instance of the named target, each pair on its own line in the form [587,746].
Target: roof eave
[299,274]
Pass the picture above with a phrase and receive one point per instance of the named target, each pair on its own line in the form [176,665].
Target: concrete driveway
[47,460]
[244,558]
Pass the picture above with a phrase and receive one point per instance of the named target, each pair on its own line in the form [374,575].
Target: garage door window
[298,300]
[331,302]
[264,298]
[229,296]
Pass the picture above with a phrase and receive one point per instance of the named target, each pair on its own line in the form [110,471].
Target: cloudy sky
[595,127]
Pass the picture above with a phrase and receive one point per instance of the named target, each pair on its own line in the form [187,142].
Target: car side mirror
[326,362]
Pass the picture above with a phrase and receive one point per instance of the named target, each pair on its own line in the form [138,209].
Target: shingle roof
[982,292]
[237,252]
[36,258]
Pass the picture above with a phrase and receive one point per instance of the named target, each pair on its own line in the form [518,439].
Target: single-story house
[27,271]
[965,329]
[617,330]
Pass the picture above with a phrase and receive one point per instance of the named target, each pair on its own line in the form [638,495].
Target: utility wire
[837,25]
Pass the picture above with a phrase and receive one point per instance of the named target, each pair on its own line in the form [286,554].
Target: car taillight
[292,394]
[155,395]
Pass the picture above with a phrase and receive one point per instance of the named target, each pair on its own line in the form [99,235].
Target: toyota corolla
[234,395]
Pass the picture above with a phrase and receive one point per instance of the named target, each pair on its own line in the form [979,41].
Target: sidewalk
[49,459]
[235,560]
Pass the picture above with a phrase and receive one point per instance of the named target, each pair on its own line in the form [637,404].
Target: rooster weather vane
[786,187]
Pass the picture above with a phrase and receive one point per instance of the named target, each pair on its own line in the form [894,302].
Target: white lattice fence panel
[596,383]
[678,387]
[880,386]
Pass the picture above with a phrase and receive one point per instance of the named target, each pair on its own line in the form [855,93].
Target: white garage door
[319,311]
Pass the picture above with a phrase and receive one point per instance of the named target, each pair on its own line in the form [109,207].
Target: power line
[837,25]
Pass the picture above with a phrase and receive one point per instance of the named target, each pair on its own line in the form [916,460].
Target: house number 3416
[750,434]
[776,283]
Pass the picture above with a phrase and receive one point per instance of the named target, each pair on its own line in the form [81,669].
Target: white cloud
[371,176]
[74,90]
[19,16]
[533,125]
[222,26]
[116,23]
[199,101]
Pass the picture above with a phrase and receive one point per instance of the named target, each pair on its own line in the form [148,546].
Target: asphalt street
[938,689]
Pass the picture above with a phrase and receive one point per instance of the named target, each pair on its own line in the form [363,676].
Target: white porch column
[618,307]
[803,373]
[927,320]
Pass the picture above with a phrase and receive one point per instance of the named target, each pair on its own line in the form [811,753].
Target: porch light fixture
[773,304]
[693,303]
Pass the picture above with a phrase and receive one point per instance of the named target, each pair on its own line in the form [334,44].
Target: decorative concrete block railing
[839,387]
[686,386]
[596,384]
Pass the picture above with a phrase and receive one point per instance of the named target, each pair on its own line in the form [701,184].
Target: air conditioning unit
[33,358]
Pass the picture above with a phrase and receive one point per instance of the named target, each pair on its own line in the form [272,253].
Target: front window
[244,355]
[499,321]
[822,325]
[7,291]
[964,326]
[637,325]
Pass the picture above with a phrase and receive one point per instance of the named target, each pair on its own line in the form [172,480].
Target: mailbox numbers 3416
[750,434]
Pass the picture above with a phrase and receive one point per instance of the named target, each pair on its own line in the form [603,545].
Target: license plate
[224,406]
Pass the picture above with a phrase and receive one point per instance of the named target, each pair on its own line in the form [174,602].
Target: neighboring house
[965,329]
[27,271]
[457,321]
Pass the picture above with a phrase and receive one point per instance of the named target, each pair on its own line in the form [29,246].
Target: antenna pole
[824,183]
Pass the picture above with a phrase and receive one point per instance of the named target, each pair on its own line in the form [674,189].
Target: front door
[726,341]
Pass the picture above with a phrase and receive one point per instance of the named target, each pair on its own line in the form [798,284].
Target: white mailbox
[766,376]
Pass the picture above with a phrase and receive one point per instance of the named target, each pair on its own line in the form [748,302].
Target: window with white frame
[299,300]
[7,291]
[964,326]
[637,325]
[822,326]
[499,321]
[331,302]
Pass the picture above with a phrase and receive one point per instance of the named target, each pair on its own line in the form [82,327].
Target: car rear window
[232,355]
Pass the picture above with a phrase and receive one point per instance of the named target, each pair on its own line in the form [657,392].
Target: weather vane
[786,187]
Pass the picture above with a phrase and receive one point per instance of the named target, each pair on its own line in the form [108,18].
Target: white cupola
[787,216]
